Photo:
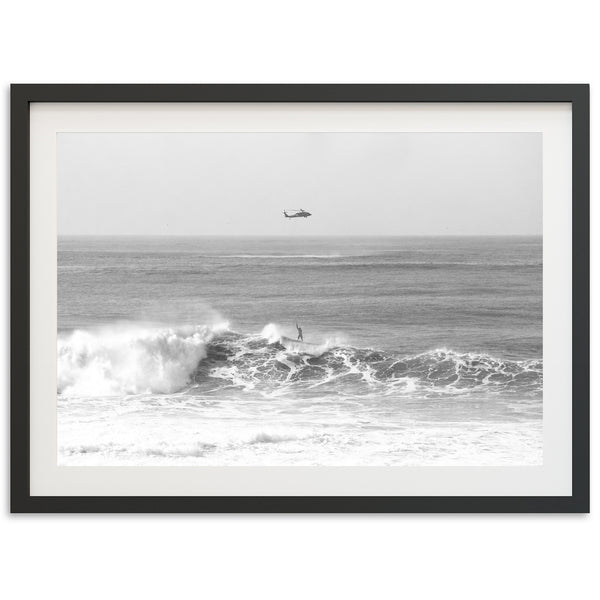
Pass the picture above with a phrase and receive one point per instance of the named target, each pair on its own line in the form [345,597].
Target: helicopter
[297,213]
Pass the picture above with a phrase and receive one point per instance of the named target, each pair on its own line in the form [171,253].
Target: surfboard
[297,345]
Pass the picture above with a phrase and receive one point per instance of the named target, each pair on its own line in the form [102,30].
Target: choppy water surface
[419,351]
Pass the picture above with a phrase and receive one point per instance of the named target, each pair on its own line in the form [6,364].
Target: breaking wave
[129,360]
[208,359]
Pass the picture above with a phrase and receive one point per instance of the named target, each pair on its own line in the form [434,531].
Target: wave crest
[136,360]
[274,364]
[129,360]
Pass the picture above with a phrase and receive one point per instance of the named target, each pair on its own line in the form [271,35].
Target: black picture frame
[22,95]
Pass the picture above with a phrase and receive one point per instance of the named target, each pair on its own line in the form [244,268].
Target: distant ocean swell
[138,360]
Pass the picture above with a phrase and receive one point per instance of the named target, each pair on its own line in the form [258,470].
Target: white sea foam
[129,360]
[271,333]
[261,433]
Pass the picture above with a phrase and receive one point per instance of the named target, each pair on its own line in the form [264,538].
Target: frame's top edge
[289,85]
[296,92]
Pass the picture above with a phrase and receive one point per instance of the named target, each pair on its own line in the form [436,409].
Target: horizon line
[293,236]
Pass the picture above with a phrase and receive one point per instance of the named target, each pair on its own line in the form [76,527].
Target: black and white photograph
[314,299]
[297,300]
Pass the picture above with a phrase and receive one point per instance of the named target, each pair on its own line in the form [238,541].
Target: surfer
[299,333]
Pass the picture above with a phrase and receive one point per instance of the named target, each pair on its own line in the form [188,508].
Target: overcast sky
[352,183]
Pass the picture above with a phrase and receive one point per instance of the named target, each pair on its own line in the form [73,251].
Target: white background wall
[297,556]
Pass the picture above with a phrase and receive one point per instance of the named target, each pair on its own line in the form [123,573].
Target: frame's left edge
[20,500]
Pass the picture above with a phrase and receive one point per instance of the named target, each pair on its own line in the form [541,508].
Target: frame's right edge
[581,298]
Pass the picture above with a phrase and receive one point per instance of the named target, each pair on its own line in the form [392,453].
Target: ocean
[417,351]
